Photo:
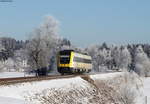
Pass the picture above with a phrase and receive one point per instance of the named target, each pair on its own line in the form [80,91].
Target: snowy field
[20,74]
[14,74]
[21,93]
[147,89]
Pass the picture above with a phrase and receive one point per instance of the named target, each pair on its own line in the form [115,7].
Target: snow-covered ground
[18,91]
[21,93]
[20,74]
[7,100]
[14,74]
[147,89]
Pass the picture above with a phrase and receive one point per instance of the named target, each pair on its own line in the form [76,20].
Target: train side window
[78,59]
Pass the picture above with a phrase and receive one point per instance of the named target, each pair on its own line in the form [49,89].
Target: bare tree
[43,44]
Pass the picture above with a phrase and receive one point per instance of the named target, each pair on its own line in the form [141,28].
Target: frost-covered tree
[92,49]
[65,44]
[93,52]
[116,57]
[125,58]
[122,57]
[142,62]
[9,65]
[43,43]
[1,47]
[2,65]
[1,57]
[101,57]
[20,59]
[146,48]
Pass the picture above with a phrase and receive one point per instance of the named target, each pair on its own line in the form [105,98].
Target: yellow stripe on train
[64,65]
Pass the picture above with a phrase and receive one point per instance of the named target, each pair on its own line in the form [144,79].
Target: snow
[147,89]
[7,100]
[13,74]
[19,93]
[106,75]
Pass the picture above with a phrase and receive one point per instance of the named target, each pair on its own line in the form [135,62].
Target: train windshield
[65,57]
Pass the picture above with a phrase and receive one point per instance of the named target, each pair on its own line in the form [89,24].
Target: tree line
[131,57]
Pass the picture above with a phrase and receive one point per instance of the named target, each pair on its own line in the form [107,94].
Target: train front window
[64,59]
[65,56]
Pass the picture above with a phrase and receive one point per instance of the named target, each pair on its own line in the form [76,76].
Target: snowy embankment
[70,91]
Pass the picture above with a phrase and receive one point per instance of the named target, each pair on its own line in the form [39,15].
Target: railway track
[8,81]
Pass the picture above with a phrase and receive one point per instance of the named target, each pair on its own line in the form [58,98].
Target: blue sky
[84,22]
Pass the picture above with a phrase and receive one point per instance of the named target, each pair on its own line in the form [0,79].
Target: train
[71,61]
